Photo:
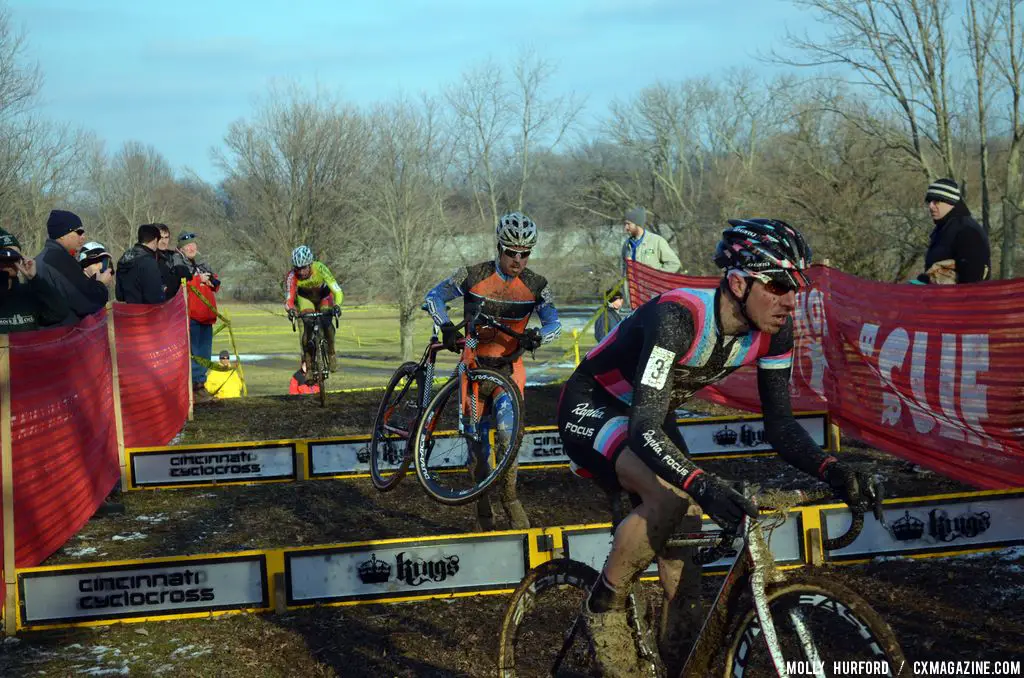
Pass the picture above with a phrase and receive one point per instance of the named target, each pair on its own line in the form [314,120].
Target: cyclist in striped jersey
[616,417]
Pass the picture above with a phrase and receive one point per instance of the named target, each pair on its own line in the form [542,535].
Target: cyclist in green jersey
[311,287]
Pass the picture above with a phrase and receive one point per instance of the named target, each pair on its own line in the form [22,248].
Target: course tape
[448,566]
[348,456]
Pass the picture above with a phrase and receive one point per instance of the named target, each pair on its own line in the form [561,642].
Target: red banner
[932,374]
[153,360]
[64,443]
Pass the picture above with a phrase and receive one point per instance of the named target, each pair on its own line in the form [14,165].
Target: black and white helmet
[767,249]
[515,229]
[302,256]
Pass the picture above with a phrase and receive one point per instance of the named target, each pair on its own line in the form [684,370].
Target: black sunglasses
[80,231]
[516,254]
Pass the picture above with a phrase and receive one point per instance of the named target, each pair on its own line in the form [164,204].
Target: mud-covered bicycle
[822,621]
[316,346]
[442,431]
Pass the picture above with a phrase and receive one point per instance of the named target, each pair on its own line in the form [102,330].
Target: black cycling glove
[450,335]
[720,501]
[531,340]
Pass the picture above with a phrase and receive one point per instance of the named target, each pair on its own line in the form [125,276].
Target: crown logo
[374,571]
[724,436]
[907,528]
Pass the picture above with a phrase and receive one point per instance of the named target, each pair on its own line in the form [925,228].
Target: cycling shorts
[594,427]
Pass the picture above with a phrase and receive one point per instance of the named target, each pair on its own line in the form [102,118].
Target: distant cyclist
[507,290]
[311,287]
[616,417]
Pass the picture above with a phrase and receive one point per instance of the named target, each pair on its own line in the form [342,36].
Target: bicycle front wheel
[322,369]
[396,417]
[547,603]
[819,622]
[453,436]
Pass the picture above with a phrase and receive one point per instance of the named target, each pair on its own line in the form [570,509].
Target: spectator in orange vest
[299,384]
[202,309]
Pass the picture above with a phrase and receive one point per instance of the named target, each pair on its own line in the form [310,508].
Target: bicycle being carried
[455,428]
[761,619]
[317,346]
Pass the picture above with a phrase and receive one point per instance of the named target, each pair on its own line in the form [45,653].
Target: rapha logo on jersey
[650,437]
[658,367]
[940,526]
[584,411]
[576,429]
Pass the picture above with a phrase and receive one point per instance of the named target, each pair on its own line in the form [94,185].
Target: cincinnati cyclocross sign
[169,467]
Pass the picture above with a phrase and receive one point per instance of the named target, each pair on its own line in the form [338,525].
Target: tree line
[841,143]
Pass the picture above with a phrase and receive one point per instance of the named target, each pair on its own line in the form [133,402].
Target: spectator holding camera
[139,280]
[58,266]
[94,259]
[27,302]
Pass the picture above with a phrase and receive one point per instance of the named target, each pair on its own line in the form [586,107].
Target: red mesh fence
[153,361]
[933,374]
[64,442]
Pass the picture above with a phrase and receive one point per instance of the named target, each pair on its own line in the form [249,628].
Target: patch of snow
[163,668]
[888,559]
[101,671]
[83,551]
[131,536]
[74,646]
[11,640]
[154,519]
[190,652]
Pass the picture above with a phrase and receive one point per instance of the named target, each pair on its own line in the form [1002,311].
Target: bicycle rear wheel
[816,621]
[396,417]
[546,603]
[442,454]
[322,367]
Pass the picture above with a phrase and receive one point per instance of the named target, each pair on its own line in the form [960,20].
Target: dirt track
[964,608]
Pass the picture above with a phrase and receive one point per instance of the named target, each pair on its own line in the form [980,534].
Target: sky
[176,74]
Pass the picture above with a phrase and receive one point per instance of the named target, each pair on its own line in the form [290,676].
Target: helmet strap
[742,301]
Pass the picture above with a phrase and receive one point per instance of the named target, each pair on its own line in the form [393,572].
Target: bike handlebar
[722,541]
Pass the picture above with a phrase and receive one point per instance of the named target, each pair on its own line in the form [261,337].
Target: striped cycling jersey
[677,339]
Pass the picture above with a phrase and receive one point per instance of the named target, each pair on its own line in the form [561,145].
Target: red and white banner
[933,374]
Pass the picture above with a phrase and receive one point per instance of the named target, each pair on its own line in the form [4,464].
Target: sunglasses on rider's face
[779,287]
[516,254]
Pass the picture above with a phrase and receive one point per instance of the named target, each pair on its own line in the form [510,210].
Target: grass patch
[367,344]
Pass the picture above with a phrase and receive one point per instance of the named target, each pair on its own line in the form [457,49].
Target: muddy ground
[964,608]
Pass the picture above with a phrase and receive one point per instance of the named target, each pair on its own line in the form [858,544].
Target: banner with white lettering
[179,468]
[931,373]
[156,588]
[405,568]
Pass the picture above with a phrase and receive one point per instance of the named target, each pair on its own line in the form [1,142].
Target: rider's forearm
[437,299]
[788,438]
[550,325]
[649,442]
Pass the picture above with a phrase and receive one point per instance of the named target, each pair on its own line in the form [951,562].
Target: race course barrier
[348,456]
[448,566]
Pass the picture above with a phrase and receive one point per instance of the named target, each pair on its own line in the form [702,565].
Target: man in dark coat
[958,249]
[57,265]
[139,280]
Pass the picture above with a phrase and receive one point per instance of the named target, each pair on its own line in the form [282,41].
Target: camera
[9,256]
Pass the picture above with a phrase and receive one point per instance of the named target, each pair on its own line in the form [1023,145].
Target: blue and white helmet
[302,256]
[515,229]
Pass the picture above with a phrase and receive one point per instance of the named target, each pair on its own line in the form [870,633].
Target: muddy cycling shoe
[611,638]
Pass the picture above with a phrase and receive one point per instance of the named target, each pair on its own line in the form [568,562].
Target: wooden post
[188,338]
[116,380]
[7,475]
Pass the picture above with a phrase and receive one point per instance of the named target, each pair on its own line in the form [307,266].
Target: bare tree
[50,170]
[980,28]
[1008,57]
[19,81]
[901,50]
[292,174]
[543,122]
[132,187]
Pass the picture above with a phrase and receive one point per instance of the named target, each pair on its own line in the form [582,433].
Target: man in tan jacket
[646,247]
